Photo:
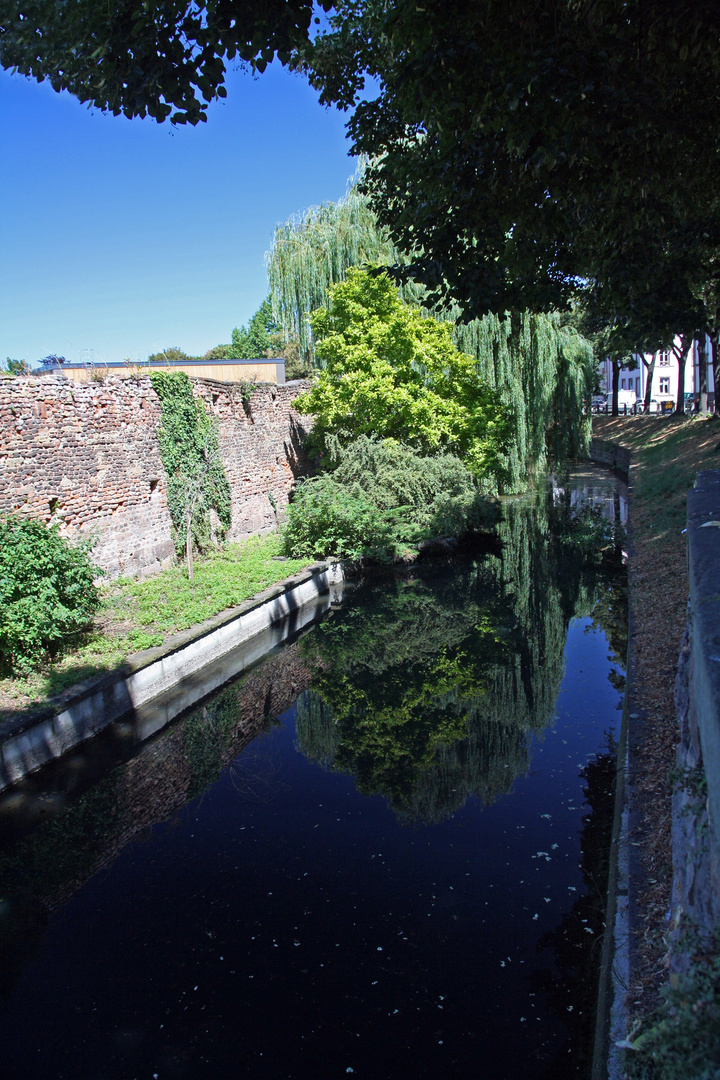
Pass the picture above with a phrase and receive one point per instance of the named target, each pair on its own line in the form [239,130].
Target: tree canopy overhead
[158,58]
[518,147]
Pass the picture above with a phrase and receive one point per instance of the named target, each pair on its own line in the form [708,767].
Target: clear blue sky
[122,237]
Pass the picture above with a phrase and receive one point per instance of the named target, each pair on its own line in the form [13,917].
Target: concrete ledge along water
[158,684]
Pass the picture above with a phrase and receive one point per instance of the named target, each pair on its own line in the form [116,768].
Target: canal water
[380,853]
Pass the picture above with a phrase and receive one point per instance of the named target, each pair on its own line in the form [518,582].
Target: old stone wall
[696,803]
[87,457]
[610,454]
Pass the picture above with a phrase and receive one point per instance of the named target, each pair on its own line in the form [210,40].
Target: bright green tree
[255,340]
[393,372]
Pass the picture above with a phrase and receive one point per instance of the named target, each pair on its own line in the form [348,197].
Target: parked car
[627,400]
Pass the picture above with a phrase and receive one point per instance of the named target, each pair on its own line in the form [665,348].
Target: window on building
[664,359]
[664,386]
[623,384]
[637,385]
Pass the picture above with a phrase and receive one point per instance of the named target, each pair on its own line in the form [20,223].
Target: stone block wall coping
[610,454]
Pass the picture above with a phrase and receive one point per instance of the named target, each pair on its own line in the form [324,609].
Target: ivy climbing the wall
[198,489]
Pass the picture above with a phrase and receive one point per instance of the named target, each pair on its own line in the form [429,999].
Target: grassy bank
[136,614]
[667,454]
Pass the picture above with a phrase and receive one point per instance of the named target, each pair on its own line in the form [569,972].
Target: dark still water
[379,854]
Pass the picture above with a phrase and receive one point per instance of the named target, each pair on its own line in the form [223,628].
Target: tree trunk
[702,372]
[615,386]
[649,380]
[715,353]
[680,352]
[188,543]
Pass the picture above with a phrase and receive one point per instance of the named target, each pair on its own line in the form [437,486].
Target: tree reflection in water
[428,687]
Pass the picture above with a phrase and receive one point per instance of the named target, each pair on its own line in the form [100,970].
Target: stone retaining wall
[696,803]
[610,454]
[87,457]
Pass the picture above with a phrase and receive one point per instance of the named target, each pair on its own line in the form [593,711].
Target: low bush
[47,592]
[681,1041]
[384,498]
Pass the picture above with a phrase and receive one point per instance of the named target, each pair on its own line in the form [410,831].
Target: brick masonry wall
[87,457]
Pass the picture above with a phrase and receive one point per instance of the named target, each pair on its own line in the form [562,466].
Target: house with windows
[665,379]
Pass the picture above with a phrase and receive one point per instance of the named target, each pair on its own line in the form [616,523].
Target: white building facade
[665,379]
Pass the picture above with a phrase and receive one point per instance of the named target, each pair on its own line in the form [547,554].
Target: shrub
[682,1040]
[390,371]
[173,354]
[382,498]
[47,592]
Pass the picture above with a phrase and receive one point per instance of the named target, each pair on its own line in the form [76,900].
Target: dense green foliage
[162,59]
[542,372]
[173,354]
[257,339]
[218,352]
[519,149]
[390,371]
[47,592]
[191,458]
[158,605]
[540,369]
[381,500]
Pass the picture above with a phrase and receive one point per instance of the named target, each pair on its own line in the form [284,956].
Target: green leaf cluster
[190,454]
[390,371]
[173,354]
[47,592]
[255,340]
[382,499]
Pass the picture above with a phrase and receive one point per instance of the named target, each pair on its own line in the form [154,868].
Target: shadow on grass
[89,657]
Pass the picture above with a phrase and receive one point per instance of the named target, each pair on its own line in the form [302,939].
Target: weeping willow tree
[313,251]
[543,372]
[541,369]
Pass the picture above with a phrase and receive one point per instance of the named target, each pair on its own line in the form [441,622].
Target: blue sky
[122,237]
